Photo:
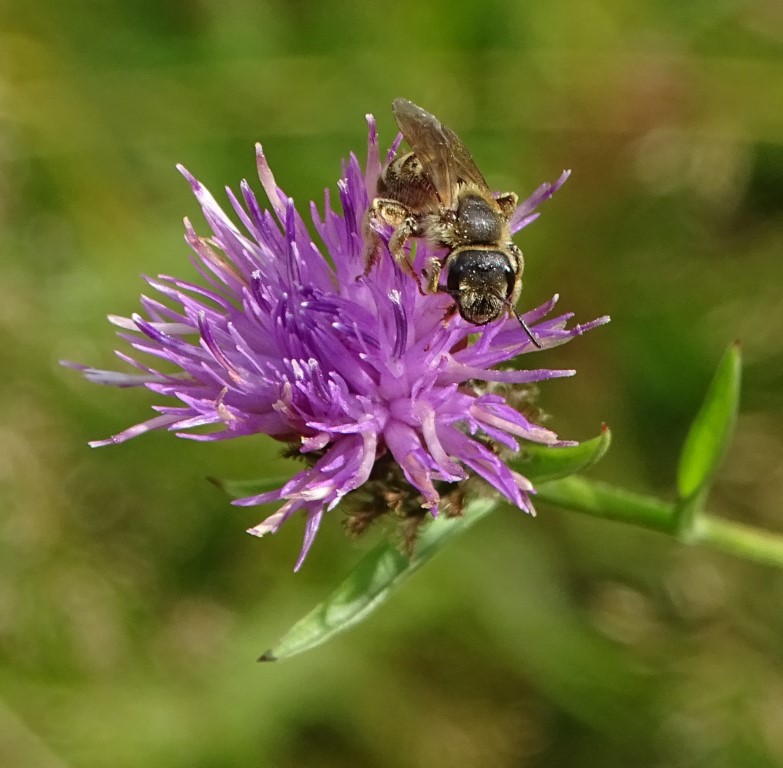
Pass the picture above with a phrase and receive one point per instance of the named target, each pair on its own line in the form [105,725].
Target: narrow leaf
[712,428]
[542,463]
[369,585]
[385,567]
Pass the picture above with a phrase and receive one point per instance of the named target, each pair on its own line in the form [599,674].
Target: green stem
[606,501]
[610,503]
[741,540]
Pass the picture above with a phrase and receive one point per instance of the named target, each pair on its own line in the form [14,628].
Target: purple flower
[289,338]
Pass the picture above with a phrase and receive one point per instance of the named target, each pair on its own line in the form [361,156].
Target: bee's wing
[444,157]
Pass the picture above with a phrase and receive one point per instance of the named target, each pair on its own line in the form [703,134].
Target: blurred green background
[132,604]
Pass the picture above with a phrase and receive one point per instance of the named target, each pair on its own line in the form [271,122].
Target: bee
[436,192]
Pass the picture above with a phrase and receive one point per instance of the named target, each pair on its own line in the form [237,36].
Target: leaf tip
[267,656]
[711,429]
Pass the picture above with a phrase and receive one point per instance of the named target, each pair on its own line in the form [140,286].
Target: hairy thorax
[475,220]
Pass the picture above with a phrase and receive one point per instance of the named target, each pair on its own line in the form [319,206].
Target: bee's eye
[454,278]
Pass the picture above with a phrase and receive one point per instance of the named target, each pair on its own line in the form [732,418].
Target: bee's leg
[519,267]
[508,202]
[372,241]
[397,215]
[432,273]
[450,312]
[408,228]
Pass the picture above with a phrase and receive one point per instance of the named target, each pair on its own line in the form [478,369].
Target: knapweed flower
[288,337]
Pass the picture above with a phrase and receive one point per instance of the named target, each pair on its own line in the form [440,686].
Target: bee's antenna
[527,330]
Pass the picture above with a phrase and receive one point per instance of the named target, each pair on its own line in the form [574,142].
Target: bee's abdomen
[478,222]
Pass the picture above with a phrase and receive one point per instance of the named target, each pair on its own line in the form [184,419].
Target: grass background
[132,605]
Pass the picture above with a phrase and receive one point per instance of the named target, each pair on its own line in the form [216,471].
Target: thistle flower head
[286,336]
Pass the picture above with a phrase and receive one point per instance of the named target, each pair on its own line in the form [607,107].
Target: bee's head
[481,282]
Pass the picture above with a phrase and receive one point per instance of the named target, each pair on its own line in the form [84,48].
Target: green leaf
[712,428]
[384,568]
[542,463]
[370,584]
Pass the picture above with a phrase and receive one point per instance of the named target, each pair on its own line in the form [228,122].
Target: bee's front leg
[518,264]
[432,273]
[405,226]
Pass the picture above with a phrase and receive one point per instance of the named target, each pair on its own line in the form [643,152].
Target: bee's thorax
[478,222]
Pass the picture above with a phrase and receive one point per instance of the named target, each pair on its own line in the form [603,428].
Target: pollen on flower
[357,373]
